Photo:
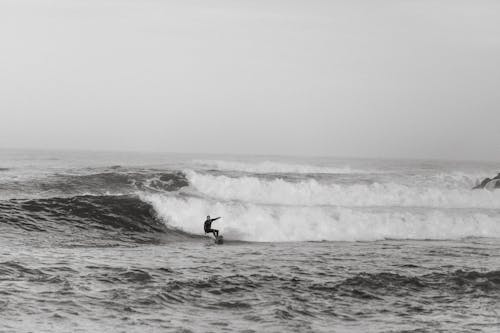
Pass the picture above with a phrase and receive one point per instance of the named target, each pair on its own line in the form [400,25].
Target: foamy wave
[313,193]
[275,167]
[251,222]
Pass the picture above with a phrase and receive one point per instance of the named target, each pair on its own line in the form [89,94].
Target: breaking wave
[268,223]
[297,203]
[311,192]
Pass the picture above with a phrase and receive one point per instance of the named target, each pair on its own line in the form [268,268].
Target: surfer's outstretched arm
[215,218]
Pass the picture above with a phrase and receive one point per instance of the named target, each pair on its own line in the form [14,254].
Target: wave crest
[311,192]
[267,223]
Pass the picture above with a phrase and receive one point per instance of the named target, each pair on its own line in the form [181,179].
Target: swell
[116,181]
[96,183]
[124,217]
[457,282]
[383,284]
[363,285]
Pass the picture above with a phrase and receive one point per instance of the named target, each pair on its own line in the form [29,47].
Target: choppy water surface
[94,242]
[196,286]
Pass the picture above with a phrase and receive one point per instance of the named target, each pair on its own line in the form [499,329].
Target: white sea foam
[313,193]
[276,167]
[252,222]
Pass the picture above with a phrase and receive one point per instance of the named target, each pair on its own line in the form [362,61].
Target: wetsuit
[208,227]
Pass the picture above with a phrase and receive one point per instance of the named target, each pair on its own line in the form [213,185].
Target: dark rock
[482,184]
[489,183]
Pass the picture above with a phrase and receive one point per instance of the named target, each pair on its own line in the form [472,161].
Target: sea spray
[268,223]
[252,189]
[265,167]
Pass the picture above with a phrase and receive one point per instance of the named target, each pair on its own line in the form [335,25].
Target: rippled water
[251,287]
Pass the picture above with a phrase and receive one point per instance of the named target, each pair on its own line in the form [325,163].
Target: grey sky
[345,78]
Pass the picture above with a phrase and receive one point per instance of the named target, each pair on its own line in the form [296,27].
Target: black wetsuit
[208,227]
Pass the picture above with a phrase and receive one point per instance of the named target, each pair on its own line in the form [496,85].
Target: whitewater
[280,202]
[114,241]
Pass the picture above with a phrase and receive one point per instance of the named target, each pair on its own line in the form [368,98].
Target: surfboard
[219,240]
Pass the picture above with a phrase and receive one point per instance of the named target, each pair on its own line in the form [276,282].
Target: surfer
[208,226]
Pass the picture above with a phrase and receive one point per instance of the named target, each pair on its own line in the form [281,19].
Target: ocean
[94,242]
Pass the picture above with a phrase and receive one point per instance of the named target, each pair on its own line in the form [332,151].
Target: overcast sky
[372,78]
